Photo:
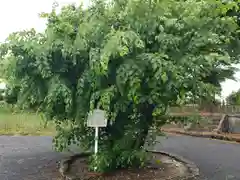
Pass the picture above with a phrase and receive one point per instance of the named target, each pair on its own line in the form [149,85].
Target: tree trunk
[144,125]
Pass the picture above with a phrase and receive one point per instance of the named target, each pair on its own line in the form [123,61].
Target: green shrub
[11,94]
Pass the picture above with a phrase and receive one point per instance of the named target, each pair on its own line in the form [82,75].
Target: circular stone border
[64,165]
[194,172]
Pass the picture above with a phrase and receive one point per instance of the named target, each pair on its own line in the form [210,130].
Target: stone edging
[206,135]
[65,164]
[192,167]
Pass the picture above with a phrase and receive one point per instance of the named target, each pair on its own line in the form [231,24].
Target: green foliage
[184,120]
[132,59]
[1,94]
[234,98]
[110,160]
[11,94]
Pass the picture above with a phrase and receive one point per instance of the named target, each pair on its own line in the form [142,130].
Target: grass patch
[23,123]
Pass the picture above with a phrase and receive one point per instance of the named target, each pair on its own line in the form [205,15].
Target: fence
[210,110]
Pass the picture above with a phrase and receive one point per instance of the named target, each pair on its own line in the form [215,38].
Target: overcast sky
[17,15]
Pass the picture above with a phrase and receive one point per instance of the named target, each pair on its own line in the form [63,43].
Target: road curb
[65,164]
[207,135]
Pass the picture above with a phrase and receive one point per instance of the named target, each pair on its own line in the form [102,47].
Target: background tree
[11,94]
[219,73]
[132,59]
[1,94]
[234,98]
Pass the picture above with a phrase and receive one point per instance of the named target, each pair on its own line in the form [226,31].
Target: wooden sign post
[97,119]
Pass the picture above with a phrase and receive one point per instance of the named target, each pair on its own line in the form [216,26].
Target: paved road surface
[27,158]
[24,158]
[217,160]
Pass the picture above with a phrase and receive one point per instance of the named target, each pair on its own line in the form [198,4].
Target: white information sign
[97,119]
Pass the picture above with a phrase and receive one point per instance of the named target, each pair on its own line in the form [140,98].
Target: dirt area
[162,167]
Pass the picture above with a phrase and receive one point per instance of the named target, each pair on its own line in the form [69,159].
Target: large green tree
[131,58]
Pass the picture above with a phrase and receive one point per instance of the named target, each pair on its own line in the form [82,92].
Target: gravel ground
[22,157]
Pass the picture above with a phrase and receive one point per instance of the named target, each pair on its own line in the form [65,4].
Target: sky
[18,15]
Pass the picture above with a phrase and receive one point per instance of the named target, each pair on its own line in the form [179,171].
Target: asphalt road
[217,160]
[24,158]
[27,158]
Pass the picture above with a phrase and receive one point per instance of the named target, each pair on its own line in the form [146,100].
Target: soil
[161,167]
